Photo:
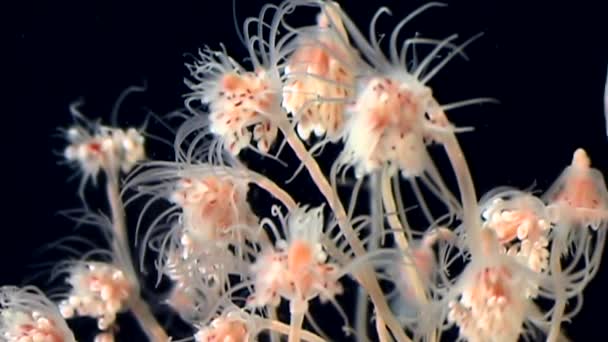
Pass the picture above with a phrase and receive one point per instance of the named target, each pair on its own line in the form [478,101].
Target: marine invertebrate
[224,255]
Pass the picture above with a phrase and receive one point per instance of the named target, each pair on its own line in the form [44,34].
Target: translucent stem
[296,309]
[362,306]
[560,301]
[272,314]
[147,321]
[398,234]
[120,247]
[284,329]
[380,327]
[361,314]
[120,242]
[468,196]
[398,227]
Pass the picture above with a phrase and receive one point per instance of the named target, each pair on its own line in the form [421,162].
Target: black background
[545,62]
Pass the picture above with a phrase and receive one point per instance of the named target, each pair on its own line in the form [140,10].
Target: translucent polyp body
[320,77]
[105,149]
[99,290]
[297,269]
[27,315]
[241,103]
[392,115]
[579,196]
[492,292]
[387,127]
[199,279]
[244,106]
[211,208]
[240,106]
[577,200]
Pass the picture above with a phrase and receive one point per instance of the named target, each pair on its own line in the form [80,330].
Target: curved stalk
[560,301]
[468,196]
[120,246]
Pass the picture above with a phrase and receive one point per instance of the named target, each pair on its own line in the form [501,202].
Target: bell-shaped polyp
[489,301]
[386,126]
[297,269]
[26,314]
[93,147]
[578,199]
[240,104]
[579,196]
[319,76]
[213,209]
[244,105]
[308,270]
[99,290]
[107,149]
[209,205]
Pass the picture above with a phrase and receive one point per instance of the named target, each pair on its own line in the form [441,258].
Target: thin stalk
[382,333]
[296,310]
[361,314]
[147,321]
[120,247]
[362,306]
[282,328]
[468,196]
[398,228]
[560,301]
[273,317]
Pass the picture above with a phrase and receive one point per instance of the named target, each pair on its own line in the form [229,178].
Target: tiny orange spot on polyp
[299,257]
[319,62]
[29,330]
[489,283]
[264,103]
[95,147]
[231,82]
[300,264]
[94,281]
[26,327]
[212,184]
[378,120]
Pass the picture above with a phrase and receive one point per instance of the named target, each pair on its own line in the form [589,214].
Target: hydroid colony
[497,268]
